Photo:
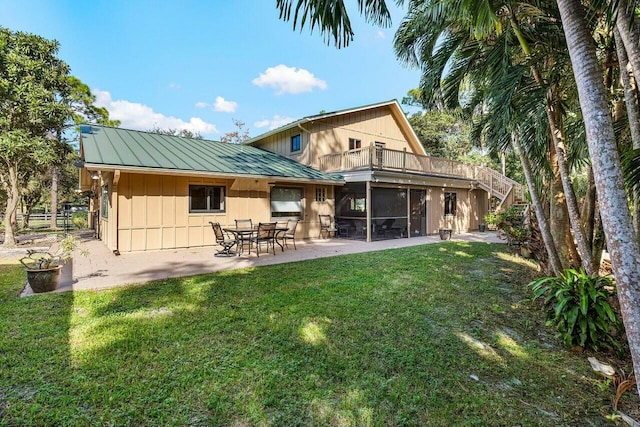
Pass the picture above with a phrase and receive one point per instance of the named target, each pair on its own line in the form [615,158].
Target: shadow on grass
[35,371]
[438,334]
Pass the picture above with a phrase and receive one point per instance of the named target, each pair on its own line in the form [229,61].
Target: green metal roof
[129,149]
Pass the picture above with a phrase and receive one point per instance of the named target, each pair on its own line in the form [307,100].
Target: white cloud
[275,122]
[289,80]
[224,106]
[174,86]
[138,116]
[201,104]
[381,35]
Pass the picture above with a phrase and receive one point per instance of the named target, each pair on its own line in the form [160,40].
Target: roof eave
[181,172]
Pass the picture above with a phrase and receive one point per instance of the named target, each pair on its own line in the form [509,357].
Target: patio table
[245,234]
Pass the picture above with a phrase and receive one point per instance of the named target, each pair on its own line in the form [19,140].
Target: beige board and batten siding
[153,210]
[332,135]
[465,218]
[280,143]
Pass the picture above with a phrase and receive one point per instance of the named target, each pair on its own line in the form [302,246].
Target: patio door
[418,213]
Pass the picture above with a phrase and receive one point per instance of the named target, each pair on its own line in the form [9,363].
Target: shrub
[577,304]
[511,222]
[492,219]
[79,219]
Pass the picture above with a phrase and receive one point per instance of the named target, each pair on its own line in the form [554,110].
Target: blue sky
[200,64]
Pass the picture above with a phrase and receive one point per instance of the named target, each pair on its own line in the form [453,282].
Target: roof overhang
[398,178]
[180,172]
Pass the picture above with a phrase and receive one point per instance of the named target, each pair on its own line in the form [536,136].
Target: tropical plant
[36,260]
[79,219]
[492,219]
[511,222]
[577,305]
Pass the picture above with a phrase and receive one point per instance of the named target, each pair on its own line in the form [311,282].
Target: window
[206,198]
[321,194]
[354,143]
[450,202]
[295,143]
[358,204]
[104,202]
[286,202]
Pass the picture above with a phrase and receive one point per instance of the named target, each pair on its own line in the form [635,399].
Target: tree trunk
[26,216]
[633,115]
[607,171]
[556,129]
[547,238]
[598,237]
[589,211]
[13,198]
[628,34]
[555,120]
[559,218]
[54,196]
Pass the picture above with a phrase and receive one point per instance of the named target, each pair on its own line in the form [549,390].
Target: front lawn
[430,335]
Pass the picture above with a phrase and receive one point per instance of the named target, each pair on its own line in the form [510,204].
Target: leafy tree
[183,133]
[238,136]
[33,81]
[81,103]
[442,134]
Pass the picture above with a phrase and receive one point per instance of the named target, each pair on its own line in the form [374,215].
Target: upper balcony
[378,158]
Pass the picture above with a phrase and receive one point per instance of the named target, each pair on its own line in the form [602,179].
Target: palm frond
[331,18]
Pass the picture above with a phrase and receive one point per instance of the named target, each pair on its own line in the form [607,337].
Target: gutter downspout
[116,194]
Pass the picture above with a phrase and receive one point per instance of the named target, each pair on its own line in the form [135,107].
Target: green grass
[395,337]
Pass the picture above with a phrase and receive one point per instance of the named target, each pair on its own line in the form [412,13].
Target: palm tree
[331,16]
[607,171]
[436,37]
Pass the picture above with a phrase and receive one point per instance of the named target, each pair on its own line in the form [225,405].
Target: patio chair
[244,237]
[266,234]
[223,239]
[290,234]
[244,223]
[326,227]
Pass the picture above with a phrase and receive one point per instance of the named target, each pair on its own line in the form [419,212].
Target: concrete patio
[101,269]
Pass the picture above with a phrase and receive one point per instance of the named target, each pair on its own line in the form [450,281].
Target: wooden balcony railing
[377,158]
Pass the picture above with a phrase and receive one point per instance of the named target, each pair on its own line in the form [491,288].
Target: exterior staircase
[508,191]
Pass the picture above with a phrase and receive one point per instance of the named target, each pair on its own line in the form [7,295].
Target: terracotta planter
[45,280]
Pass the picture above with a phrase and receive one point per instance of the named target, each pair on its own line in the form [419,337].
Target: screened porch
[389,213]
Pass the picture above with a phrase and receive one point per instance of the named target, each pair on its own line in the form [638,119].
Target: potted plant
[491,220]
[44,269]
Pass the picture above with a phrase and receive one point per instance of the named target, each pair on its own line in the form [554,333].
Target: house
[392,188]
[152,191]
[365,166]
